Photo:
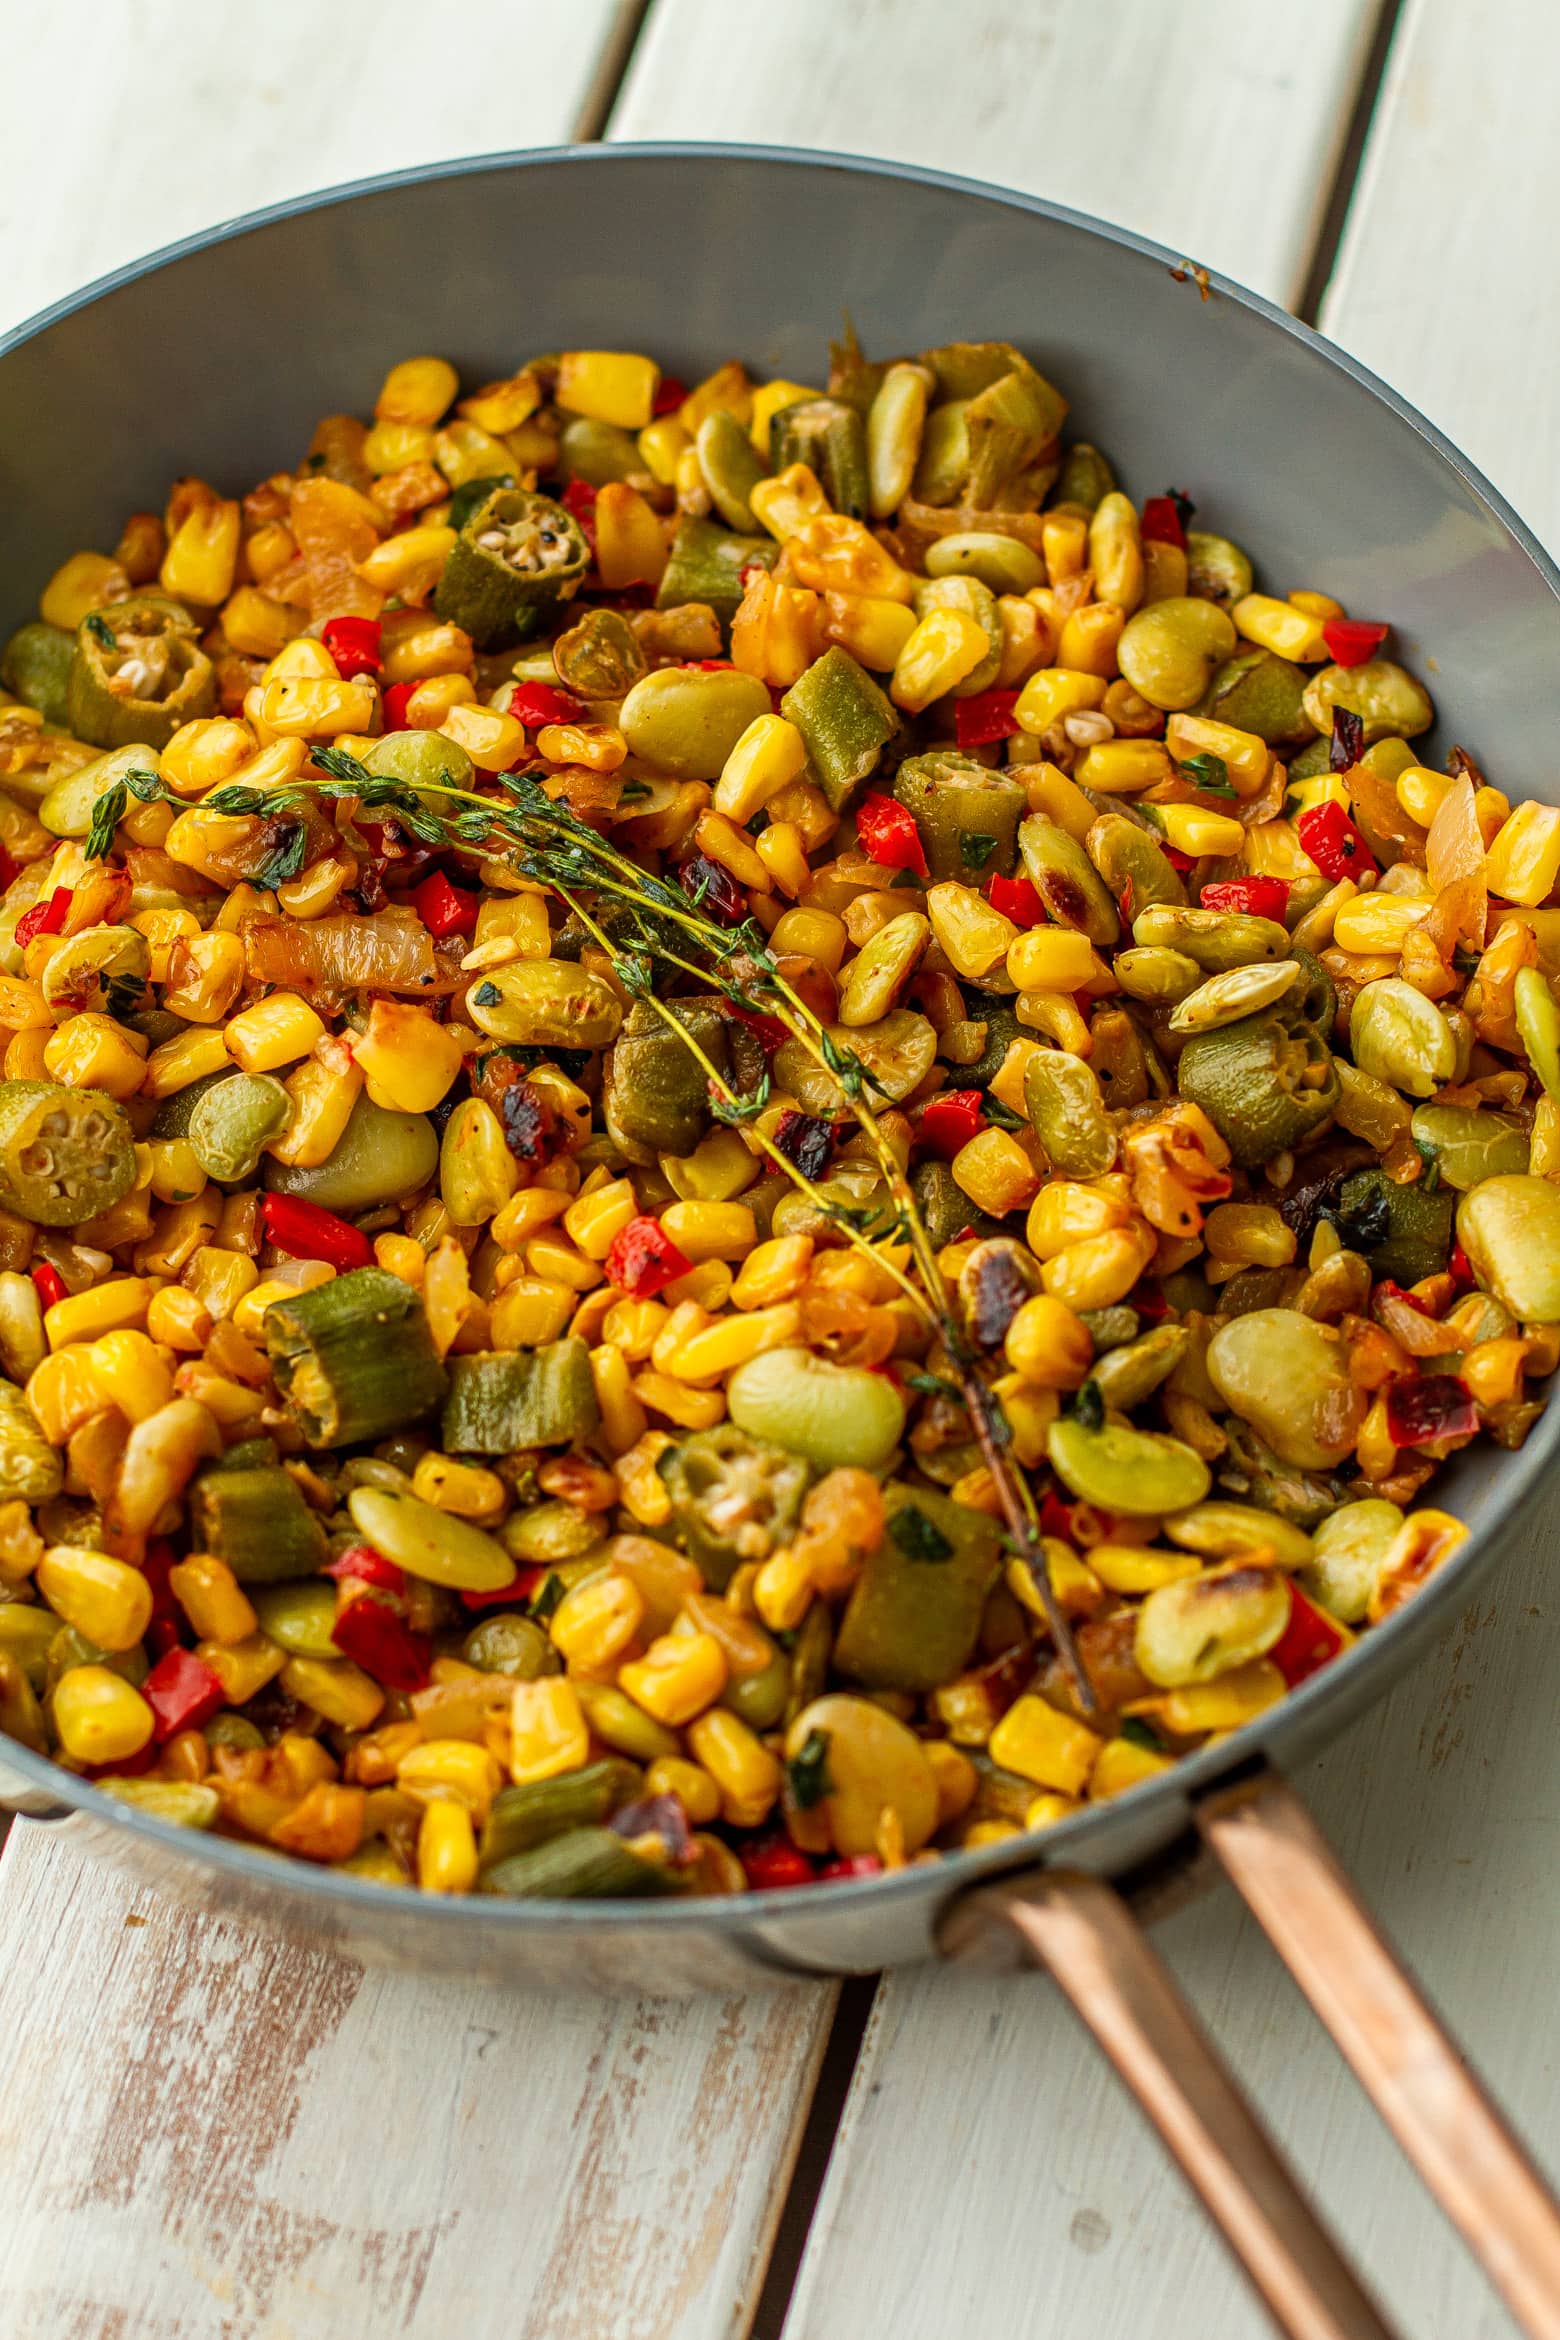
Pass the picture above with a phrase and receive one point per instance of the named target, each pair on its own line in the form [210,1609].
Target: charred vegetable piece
[354,1358]
[845,720]
[1404,1231]
[499,1402]
[517,558]
[967,816]
[65,1154]
[35,664]
[256,1520]
[734,1498]
[706,564]
[138,673]
[655,1095]
[523,1817]
[1266,1082]
[584,1864]
[914,1612]
[830,438]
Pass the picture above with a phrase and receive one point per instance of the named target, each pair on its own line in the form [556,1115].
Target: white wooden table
[209,2136]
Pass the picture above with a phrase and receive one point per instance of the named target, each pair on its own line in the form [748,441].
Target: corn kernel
[1136,1568]
[776,1270]
[623,1421]
[243,1666]
[946,645]
[678,1676]
[100,1718]
[550,1734]
[450,1770]
[717,1349]
[212,1598]
[204,754]
[995,1172]
[1523,863]
[409,1060]
[91,1051]
[492,740]
[595,1221]
[105,1599]
[1123,1764]
[872,628]
[1190,828]
[710,1230]
[178,1319]
[1048,1345]
[202,554]
[1244,756]
[1101,1271]
[446,1848]
[87,581]
[336,1688]
[188,1057]
[596,1623]
[1281,627]
[219,1277]
[1052,692]
[1041,1743]
[670,1775]
[417,391]
[87,1316]
[1051,958]
[275,1031]
[608,385]
[972,936]
[310,707]
[747,1775]
[130,1374]
[1067,1212]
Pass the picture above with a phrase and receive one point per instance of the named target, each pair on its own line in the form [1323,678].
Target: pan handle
[1081,1929]
[1292,1882]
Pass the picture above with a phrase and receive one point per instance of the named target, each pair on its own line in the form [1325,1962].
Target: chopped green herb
[933,1385]
[548,1594]
[101,631]
[107,813]
[976,847]
[1140,1734]
[808,1772]
[487,995]
[473,493]
[918,1537]
[1088,1406]
[286,859]
[1209,773]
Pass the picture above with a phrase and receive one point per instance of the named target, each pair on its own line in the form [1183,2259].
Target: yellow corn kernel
[390,446]
[305,659]
[631,545]
[747,1775]
[312,893]
[1420,792]
[721,841]
[1098,1273]
[130,1374]
[179,1320]
[872,628]
[100,1718]
[181,1230]
[1136,1568]
[93,1052]
[1088,638]
[690,1409]
[1523,863]
[623,1421]
[464,452]
[417,391]
[257,625]
[1041,1743]
[946,645]
[323,1089]
[284,1282]
[1008,1085]
[203,554]
[679,1675]
[1244,756]
[1379,923]
[1055,691]
[86,1316]
[1051,958]
[1067,1212]
[784,855]
[450,1771]
[557,1261]
[1190,828]
[549,1730]
[492,740]
[710,1230]
[204,754]
[275,1031]
[776,1270]
[205,975]
[1318,605]
[593,1222]
[63,1394]
[995,1172]
[609,385]
[219,1277]
[1049,1345]
[303,707]
[1046,1810]
[529,1312]
[972,936]
[1056,1014]
[1280,627]
[662,445]
[335,1688]
[670,1775]
[596,1623]
[242,1667]
[446,1847]
[1123,766]
[718,1170]
[87,581]
[525,1214]
[106,1599]
[1123,1764]
[409,1060]
[162,929]
[767,401]
[1222,1705]
[212,1598]
[717,1349]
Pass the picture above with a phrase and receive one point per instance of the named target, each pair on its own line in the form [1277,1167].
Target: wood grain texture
[213,2135]
[989,2176]
[1444,283]
[1211,125]
[163,119]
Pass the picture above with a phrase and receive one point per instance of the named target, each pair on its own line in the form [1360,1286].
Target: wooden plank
[210,2134]
[1211,125]
[1443,282]
[152,123]
[988,2175]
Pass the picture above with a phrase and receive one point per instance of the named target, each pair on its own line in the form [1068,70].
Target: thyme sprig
[664,929]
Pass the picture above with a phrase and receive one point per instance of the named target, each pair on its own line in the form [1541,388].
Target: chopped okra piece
[517,558]
[354,1359]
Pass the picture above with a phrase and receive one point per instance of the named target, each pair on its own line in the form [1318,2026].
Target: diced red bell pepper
[851,1865]
[643,1259]
[1388,1290]
[182,1692]
[1460,1268]
[443,908]
[44,917]
[1180,862]
[169,1624]
[1016,898]
[1351,641]
[8,868]
[768,1866]
[394,701]
[370,1632]
[1431,1410]
[518,1593]
[669,395]
[889,836]
[49,1283]
[769,1030]
[309,1232]
[361,1564]
[1056,1517]
[1259,897]
[985,717]
[535,703]
[948,1122]
[1335,845]
[707,666]
[1307,1642]
[354,643]
[1161,523]
[579,501]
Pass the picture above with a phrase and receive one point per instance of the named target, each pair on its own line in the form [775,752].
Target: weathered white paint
[128,127]
[1211,125]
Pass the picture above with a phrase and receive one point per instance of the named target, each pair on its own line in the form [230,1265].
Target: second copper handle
[1290,1879]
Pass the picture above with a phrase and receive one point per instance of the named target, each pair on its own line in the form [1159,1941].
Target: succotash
[744,1133]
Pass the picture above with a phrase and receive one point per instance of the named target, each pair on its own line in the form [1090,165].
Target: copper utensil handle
[1292,1882]
[1081,1929]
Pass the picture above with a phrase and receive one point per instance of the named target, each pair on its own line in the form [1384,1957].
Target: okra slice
[706,564]
[734,1498]
[586,1864]
[967,816]
[65,1154]
[914,1612]
[257,1522]
[516,559]
[35,664]
[655,1094]
[503,1400]
[354,1358]
[845,720]
[137,673]
[521,1818]
[831,439]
